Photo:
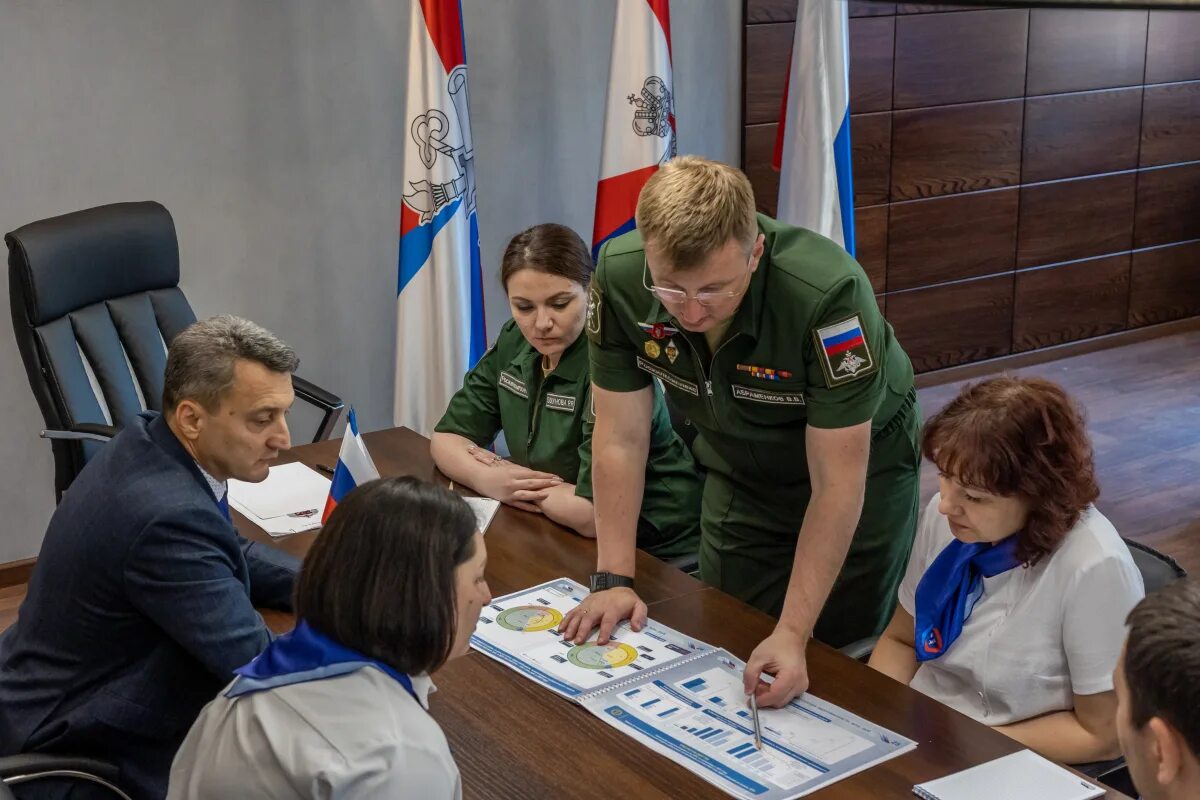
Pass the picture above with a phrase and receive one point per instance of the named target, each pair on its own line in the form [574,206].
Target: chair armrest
[33,763]
[328,402]
[1098,769]
[84,431]
[860,650]
[28,767]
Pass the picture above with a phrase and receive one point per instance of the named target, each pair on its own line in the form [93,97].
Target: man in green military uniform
[768,337]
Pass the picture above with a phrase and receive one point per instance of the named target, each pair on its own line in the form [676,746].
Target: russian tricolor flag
[842,337]
[639,114]
[812,148]
[354,467]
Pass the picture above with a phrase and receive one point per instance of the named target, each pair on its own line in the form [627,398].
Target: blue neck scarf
[305,654]
[950,588]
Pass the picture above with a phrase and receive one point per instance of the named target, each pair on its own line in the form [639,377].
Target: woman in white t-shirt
[1013,607]
[338,707]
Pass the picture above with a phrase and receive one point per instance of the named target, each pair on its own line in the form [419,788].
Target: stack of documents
[290,500]
[682,698]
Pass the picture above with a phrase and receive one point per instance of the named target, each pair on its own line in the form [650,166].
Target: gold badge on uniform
[651,347]
[671,350]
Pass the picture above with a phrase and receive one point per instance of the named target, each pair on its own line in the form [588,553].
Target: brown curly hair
[1019,437]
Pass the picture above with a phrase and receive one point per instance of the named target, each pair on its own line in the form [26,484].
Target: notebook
[1023,775]
[681,698]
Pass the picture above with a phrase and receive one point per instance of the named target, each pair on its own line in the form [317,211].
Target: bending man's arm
[837,466]
[620,447]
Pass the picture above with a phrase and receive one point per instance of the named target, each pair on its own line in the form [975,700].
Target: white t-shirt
[1038,635]
[359,735]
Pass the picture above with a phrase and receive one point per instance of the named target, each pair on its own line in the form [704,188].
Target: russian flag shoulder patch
[843,351]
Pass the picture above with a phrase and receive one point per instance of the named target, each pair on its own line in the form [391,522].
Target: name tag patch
[513,384]
[667,377]
[560,402]
[764,396]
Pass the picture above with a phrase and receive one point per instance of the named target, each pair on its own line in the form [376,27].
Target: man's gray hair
[201,359]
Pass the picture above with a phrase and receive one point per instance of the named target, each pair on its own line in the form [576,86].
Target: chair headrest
[69,262]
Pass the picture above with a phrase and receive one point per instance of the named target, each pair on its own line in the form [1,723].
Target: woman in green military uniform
[534,385]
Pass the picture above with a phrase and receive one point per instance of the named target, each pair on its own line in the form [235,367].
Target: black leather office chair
[16,770]
[95,301]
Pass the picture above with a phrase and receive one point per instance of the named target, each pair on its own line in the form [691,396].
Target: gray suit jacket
[140,607]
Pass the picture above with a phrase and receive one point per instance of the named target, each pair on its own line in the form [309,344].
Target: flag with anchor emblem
[440,326]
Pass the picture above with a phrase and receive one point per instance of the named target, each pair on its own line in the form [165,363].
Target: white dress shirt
[1038,635]
[359,735]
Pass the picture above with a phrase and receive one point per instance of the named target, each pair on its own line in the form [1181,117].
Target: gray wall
[270,130]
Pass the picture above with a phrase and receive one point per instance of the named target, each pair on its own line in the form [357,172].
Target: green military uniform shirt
[807,346]
[548,424]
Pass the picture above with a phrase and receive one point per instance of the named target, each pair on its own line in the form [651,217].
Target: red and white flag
[639,116]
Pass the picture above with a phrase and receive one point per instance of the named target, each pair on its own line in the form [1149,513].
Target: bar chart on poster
[682,698]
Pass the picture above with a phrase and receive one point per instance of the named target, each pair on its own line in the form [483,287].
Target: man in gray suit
[142,601]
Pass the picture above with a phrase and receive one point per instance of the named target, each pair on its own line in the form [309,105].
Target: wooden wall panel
[871,162]
[760,150]
[768,50]
[954,323]
[1172,53]
[770,11]
[871,63]
[871,240]
[950,149]
[951,238]
[1081,134]
[1166,284]
[1071,301]
[868,8]
[1168,205]
[1070,51]
[960,57]
[1068,220]
[1171,123]
[1023,177]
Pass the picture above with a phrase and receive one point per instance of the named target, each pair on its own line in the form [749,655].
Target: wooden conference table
[514,739]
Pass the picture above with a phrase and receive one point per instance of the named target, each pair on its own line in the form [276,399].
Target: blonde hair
[692,206]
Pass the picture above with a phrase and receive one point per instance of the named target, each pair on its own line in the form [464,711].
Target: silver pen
[757,726]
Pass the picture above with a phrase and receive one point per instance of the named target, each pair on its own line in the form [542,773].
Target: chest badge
[671,350]
[657,330]
[651,347]
[764,373]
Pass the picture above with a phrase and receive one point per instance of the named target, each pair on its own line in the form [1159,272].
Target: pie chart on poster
[529,618]
[602,656]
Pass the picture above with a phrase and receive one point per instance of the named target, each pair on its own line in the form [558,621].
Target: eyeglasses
[677,298]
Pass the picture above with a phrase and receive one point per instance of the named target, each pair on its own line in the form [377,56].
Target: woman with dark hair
[390,591]
[534,386]
[1013,607]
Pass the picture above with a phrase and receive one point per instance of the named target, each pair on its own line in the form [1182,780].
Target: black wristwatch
[609,580]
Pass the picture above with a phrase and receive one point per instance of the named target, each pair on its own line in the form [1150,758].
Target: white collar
[422,687]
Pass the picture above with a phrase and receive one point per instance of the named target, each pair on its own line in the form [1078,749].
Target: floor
[1143,405]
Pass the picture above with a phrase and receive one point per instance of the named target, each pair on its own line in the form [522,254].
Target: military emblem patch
[671,350]
[652,349]
[657,330]
[843,351]
[595,309]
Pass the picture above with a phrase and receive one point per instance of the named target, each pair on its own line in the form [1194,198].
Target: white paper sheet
[288,489]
